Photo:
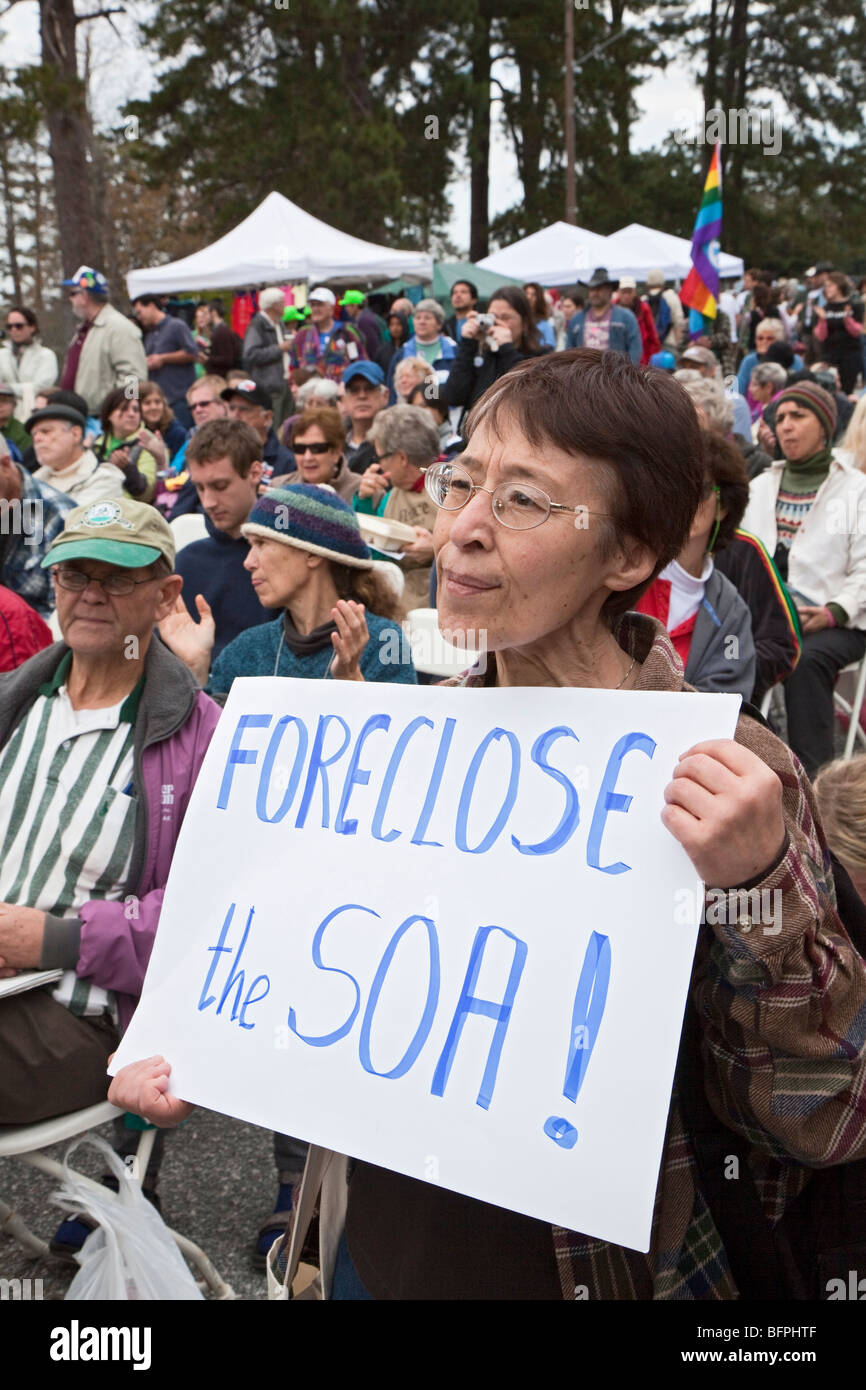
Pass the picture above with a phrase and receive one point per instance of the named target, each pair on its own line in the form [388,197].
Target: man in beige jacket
[406,443]
[107,349]
[57,432]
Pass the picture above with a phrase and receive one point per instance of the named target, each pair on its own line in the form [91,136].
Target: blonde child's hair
[840,788]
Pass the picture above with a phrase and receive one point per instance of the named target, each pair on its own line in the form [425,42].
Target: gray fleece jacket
[722,653]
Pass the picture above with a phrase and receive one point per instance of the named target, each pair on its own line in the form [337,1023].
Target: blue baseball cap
[665,360]
[371,371]
[86,278]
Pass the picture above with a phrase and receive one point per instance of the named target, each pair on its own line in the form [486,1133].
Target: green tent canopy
[444,275]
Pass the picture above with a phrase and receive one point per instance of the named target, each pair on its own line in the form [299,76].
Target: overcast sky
[122,70]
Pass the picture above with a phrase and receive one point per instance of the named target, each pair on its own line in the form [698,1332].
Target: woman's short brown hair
[635,424]
[327,419]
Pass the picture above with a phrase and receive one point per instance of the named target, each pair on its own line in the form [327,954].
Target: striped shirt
[67,814]
[792,508]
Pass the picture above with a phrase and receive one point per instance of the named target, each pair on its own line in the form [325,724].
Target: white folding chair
[25,1144]
[188,528]
[852,709]
[431,654]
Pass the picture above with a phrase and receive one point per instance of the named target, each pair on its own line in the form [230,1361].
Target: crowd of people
[729,464]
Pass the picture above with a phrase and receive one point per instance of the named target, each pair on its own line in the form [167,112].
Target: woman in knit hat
[809,509]
[338,618]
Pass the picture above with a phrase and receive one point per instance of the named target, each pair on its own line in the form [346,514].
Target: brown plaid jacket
[784,1033]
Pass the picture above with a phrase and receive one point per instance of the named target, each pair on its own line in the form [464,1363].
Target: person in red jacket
[627,296]
[22,632]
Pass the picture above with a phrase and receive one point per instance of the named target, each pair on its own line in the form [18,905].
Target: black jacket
[470,378]
[750,569]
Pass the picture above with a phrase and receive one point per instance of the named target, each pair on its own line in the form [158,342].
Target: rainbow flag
[701,289]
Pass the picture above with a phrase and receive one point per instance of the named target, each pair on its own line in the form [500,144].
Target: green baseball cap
[118,531]
[352,297]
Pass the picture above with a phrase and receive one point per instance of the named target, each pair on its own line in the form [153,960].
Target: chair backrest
[188,528]
[431,654]
[392,573]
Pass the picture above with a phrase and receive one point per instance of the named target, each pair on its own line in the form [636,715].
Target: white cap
[627,282]
[323,295]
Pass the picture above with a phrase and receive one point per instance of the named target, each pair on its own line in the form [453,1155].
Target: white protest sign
[440,930]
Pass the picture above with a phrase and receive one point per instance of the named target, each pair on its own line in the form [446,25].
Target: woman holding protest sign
[579,483]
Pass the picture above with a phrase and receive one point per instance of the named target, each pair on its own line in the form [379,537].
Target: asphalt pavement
[217,1184]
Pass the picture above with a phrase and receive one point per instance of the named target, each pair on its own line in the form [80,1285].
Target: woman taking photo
[129,444]
[335,612]
[589,430]
[486,354]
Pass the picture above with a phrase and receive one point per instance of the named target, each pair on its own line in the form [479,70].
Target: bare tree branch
[99,14]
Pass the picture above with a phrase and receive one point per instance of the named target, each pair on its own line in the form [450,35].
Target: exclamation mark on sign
[589,1001]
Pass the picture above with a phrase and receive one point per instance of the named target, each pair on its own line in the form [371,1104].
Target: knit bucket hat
[310,517]
[813,397]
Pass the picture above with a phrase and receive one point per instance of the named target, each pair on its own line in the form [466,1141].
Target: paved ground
[218,1182]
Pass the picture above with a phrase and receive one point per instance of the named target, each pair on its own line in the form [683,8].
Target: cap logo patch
[100,514]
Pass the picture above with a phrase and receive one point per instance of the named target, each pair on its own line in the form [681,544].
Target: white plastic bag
[131,1254]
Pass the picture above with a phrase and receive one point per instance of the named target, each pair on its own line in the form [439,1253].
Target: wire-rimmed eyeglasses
[517,505]
[76,581]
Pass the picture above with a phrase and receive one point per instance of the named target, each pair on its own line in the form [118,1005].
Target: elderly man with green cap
[101,739]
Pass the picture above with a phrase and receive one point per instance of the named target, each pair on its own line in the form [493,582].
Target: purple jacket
[173,727]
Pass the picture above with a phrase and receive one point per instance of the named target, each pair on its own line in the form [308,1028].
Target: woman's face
[314,465]
[395,328]
[151,410]
[764,340]
[405,379]
[525,587]
[279,572]
[426,325]
[503,313]
[832,292]
[202,318]
[125,419]
[529,291]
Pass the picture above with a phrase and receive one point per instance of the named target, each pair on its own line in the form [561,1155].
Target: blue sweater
[624,332]
[254,653]
[214,567]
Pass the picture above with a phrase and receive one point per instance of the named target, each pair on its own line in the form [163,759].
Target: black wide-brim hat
[600,277]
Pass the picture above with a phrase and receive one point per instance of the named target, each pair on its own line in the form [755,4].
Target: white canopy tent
[637,250]
[557,255]
[278,243]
